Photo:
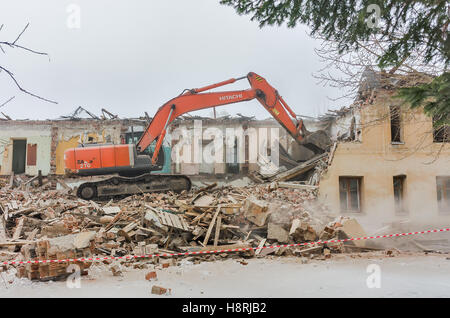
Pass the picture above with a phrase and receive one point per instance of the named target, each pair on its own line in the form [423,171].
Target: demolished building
[388,162]
[30,146]
[27,146]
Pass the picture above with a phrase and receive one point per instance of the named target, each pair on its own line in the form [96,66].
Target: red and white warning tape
[128,257]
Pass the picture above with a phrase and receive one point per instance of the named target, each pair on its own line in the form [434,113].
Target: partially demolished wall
[389,179]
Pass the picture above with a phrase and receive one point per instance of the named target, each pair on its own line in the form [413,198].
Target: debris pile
[64,247]
[55,224]
[309,171]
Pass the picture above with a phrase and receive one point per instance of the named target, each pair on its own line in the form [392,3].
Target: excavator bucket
[317,141]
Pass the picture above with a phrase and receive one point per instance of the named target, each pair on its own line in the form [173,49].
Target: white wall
[34,134]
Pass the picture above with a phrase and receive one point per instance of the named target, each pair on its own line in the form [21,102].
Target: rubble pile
[309,171]
[42,224]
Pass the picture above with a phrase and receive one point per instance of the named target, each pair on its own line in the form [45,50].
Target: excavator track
[124,186]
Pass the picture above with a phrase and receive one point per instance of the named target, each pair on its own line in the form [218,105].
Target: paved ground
[405,275]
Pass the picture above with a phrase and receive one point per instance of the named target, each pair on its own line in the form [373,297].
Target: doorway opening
[19,156]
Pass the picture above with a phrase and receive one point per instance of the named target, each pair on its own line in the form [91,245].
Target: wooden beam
[211,225]
[18,242]
[291,185]
[218,224]
[307,165]
[260,245]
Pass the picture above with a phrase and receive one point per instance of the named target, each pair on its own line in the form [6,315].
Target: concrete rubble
[41,223]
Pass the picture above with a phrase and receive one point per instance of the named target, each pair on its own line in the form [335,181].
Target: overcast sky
[132,56]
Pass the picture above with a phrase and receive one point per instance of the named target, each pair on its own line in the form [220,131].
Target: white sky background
[132,56]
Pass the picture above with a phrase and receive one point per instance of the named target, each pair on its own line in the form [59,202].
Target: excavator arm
[196,99]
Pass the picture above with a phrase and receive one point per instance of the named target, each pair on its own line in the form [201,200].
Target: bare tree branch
[7,101]
[11,75]
[18,37]
[23,48]
[24,90]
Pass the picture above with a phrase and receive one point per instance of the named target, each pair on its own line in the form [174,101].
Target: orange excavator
[132,167]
